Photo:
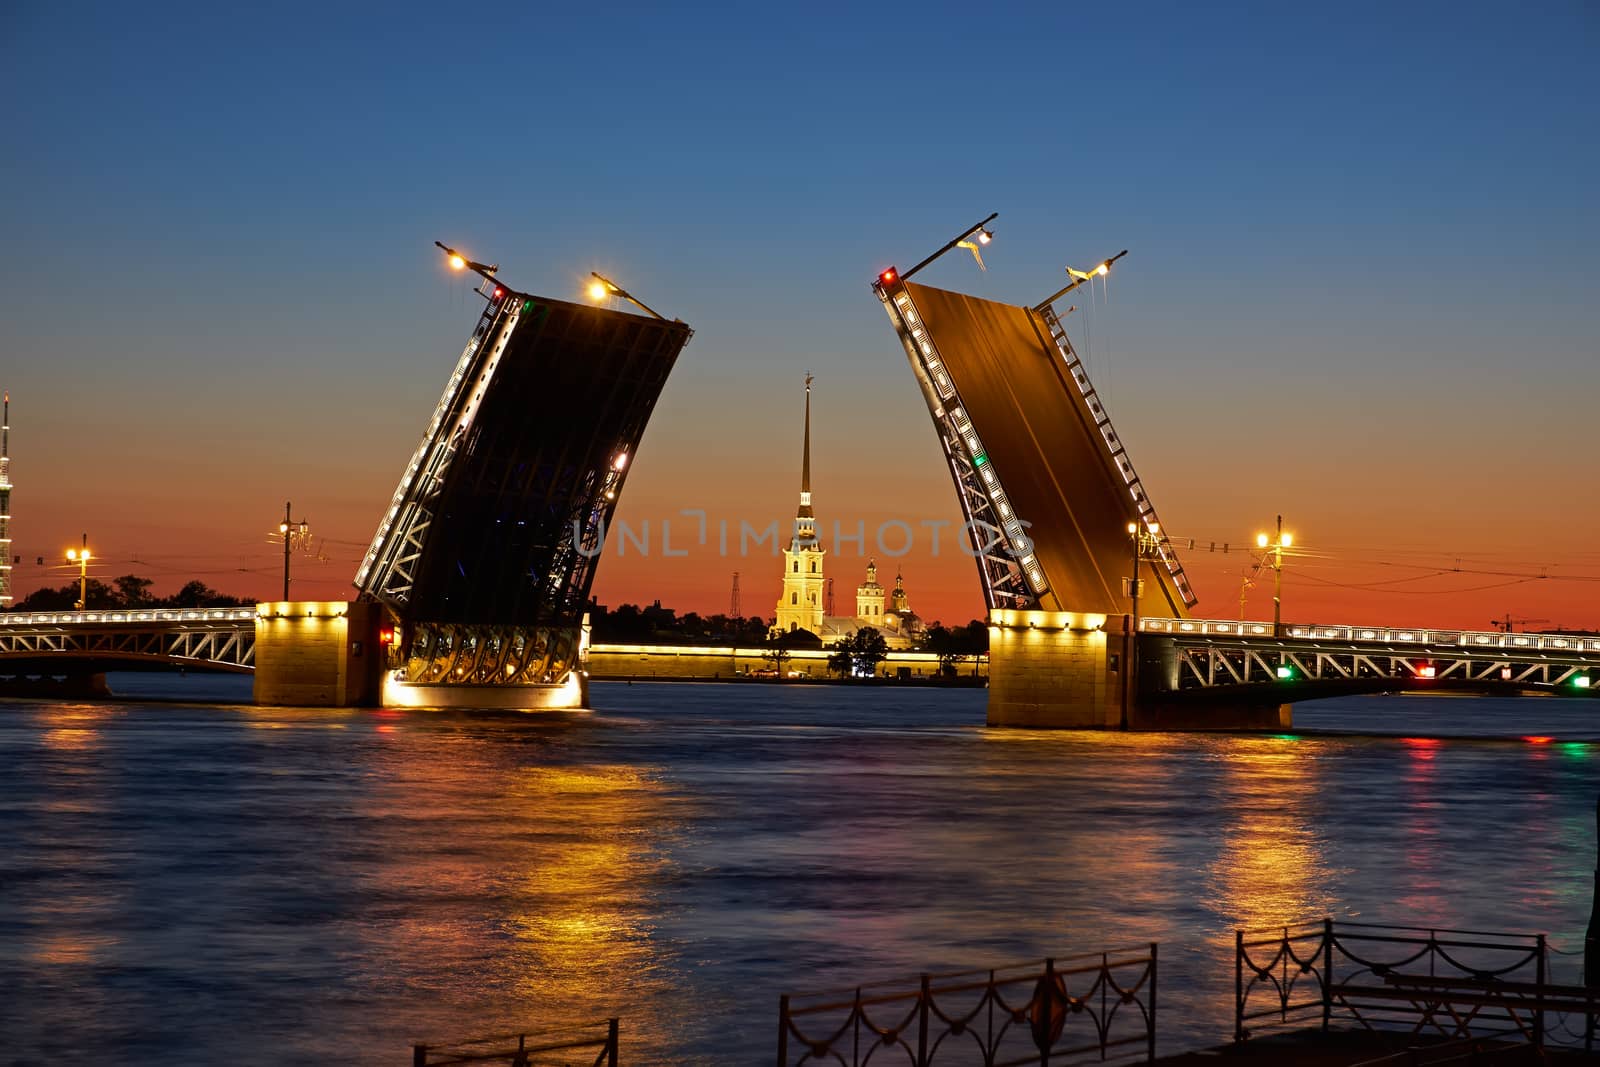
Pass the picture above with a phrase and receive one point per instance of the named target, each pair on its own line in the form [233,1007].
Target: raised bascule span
[1038,468]
[485,557]
[1056,512]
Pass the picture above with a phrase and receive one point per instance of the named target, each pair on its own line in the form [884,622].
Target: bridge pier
[317,653]
[1067,670]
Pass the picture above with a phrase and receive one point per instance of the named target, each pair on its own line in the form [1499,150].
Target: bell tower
[869,597]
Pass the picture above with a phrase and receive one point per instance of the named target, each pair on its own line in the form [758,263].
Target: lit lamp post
[1275,549]
[290,529]
[81,557]
[603,288]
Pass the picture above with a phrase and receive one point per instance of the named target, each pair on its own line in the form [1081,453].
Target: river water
[219,882]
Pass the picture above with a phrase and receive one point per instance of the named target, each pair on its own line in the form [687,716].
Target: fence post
[615,1050]
[1047,1009]
[1327,971]
[1538,1002]
[1152,1054]
[1238,986]
[783,1031]
[922,1023]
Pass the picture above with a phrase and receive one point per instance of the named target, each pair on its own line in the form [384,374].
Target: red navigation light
[888,277]
[386,635]
[1538,740]
[498,292]
[1427,670]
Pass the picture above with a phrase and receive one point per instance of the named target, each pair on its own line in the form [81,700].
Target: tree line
[128,591]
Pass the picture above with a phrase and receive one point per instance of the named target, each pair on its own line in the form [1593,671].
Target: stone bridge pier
[1068,670]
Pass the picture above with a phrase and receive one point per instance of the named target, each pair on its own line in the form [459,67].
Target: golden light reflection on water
[70,782]
[582,906]
[65,949]
[1271,868]
[553,904]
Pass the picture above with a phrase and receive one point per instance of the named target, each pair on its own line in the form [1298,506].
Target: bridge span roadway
[1210,660]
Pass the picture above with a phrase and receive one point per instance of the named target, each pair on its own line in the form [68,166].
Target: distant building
[800,605]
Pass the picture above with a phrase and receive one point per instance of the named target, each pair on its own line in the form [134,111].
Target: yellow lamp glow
[598,291]
[457,263]
[1288,539]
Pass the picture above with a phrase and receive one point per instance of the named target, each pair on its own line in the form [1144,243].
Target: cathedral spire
[805,463]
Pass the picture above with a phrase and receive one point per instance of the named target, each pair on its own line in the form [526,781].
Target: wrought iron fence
[1100,1005]
[592,1044]
[1453,984]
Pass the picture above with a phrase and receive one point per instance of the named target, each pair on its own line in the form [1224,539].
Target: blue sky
[1350,225]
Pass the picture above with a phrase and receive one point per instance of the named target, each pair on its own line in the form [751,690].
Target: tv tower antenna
[5,503]
[733,601]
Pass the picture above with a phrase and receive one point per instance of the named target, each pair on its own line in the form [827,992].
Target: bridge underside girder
[65,651]
[1330,671]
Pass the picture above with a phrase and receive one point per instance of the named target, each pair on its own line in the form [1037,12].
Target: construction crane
[1508,625]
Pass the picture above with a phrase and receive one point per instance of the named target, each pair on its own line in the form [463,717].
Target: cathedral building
[801,604]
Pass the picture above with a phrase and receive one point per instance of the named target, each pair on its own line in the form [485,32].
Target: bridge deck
[1040,436]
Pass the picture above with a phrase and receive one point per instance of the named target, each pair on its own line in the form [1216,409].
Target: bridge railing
[1382,635]
[125,616]
[1097,1006]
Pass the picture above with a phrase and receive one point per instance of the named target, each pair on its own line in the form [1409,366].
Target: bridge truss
[221,639]
[1220,654]
[486,555]
[1046,457]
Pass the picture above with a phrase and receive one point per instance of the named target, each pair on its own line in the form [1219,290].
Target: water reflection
[184,882]
[1271,869]
[518,892]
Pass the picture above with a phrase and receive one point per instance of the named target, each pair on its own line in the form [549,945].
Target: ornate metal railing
[1101,1005]
[1452,984]
[591,1044]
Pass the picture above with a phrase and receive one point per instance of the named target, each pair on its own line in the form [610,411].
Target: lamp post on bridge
[1275,549]
[603,288]
[81,557]
[290,529]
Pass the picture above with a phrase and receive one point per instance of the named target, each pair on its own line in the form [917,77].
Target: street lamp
[1099,270]
[81,557]
[1275,547]
[603,287]
[458,261]
[290,529]
[979,233]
